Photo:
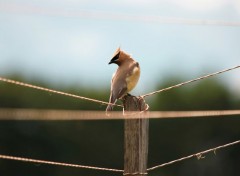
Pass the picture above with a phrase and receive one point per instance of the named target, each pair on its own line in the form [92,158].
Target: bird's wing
[119,84]
[119,92]
[122,92]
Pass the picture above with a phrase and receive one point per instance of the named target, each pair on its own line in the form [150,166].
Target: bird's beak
[111,62]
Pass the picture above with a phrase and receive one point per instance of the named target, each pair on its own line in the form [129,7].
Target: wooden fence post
[135,138]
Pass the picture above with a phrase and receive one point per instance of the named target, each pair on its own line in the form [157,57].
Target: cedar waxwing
[125,78]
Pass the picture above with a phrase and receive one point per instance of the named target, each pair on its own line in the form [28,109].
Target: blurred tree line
[100,143]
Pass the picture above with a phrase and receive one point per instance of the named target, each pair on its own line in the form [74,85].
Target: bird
[125,78]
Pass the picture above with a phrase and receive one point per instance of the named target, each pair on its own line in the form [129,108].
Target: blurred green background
[100,143]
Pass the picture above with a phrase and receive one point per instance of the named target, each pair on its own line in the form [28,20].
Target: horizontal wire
[57,163]
[55,91]
[198,155]
[104,15]
[190,81]
[43,114]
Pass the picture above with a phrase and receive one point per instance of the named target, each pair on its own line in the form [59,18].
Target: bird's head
[119,57]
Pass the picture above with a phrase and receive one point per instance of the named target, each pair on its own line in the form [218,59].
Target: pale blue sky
[71,41]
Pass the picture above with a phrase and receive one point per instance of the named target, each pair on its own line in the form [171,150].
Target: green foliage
[205,95]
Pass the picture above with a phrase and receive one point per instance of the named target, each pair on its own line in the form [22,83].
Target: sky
[72,41]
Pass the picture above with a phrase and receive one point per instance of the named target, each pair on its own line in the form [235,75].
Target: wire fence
[49,115]
[34,114]
[198,155]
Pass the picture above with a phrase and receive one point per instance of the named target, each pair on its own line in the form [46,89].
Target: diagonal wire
[198,155]
[190,81]
[57,163]
[55,91]
[106,103]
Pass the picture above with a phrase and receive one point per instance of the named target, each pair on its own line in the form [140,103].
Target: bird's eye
[116,57]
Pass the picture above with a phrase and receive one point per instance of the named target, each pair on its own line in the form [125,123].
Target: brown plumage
[125,78]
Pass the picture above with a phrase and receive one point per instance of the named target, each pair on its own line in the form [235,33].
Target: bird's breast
[133,78]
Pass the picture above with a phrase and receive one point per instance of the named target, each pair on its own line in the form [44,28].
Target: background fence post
[135,138]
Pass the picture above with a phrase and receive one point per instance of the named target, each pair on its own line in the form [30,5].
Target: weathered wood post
[135,137]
